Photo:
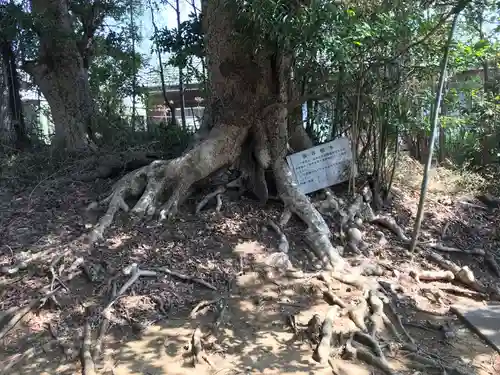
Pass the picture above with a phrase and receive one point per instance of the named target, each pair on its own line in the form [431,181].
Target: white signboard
[322,166]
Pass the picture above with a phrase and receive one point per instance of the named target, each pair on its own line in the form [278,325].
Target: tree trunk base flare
[172,177]
[248,129]
[162,186]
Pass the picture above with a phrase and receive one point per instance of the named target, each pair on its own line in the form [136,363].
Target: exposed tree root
[103,328]
[355,241]
[324,348]
[386,222]
[491,261]
[423,362]
[369,341]
[472,294]
[135,272]
[191,279]
[109,166]
[378,317]
[448,249]
[131,185]
[359,209]
[488,257]
[9,321]
[333,300]
[462,274]
[283,241]
[220,149]
[352,279]
[318,233]
[201,305]
[65,349]
[391,311]
[358,314]
[88,366]
[174,177]
[313,329]
[215,194]
[432,275]
[353,351]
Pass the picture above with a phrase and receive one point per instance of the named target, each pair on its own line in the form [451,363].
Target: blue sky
[165,17]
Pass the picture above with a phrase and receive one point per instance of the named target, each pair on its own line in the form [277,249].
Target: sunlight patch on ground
[442,180]
[118,241]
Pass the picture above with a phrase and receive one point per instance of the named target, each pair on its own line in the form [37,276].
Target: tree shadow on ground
[228,251]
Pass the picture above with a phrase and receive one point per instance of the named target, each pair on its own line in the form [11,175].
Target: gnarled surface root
[317,234]
[174,177]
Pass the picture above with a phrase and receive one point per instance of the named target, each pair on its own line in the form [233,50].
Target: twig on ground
[218,206]
[188,278]
[12,270]
[196,348]
[201,305]
[399,324]
[481,207]
[472,294]
[445,229]
[55,277]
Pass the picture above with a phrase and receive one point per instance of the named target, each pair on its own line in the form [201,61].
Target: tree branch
[92,19]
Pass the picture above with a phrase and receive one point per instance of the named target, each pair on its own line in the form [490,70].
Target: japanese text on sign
[322,166]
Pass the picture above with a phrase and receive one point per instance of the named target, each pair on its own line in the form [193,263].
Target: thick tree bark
[21,140]
[62,76]
[5,115]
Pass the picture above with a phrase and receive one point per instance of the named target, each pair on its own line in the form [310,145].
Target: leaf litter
[230,252]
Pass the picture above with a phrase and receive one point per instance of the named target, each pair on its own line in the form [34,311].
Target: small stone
[358,221]
[354,235]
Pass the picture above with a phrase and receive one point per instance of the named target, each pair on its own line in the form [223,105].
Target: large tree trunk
[6,135]
[15,105]
[249,107]
[62,76]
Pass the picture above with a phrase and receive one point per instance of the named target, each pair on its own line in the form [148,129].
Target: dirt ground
[255,318]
